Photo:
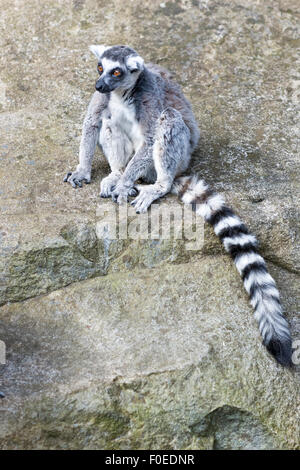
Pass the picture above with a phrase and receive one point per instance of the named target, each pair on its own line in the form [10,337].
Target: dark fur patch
[233,231]
[219,215]
[281,349]
[118,53]
[237,250]
[261,287]
[257,266]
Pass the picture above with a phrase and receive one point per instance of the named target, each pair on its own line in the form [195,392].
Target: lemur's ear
[98,50]
[135,63]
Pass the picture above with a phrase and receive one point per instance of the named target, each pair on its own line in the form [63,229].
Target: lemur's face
[118,67]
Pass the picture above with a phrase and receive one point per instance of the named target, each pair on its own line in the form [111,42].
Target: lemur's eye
[116,73]
[100,68]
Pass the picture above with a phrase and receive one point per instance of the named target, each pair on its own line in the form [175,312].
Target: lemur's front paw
[108,184]
[145,198]
[121,193]
[76,178]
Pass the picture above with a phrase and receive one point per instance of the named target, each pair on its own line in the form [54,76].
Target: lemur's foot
[121,193]
[76,178]
[145,198]
[108,184]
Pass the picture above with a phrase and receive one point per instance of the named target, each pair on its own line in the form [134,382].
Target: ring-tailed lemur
[146,129]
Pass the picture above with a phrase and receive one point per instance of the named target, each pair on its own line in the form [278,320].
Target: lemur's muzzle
[102,87]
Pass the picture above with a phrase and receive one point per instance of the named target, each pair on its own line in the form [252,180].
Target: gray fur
[148,130]
[89,139]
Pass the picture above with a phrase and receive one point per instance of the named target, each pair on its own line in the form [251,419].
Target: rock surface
[153,360]
[177,362]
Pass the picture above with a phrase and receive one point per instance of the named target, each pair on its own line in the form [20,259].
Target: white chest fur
[123,116]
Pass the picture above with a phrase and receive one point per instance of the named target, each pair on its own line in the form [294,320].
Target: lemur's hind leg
[171,156]
[117,149]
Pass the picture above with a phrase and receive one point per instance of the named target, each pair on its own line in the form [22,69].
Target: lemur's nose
[101,86]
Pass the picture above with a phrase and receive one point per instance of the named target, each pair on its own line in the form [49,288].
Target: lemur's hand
[109,183]
[121,193]
[76,178]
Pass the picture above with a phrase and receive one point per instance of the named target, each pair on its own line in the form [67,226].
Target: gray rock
[178,364]
[155,360]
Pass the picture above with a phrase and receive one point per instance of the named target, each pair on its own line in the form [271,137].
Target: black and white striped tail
[242,246]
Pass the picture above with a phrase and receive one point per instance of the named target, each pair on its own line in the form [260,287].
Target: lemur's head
[118,67]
